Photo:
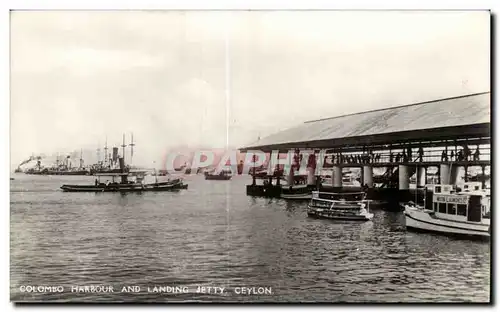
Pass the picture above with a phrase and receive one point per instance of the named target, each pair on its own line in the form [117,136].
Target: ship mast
[106,151]
[81,158]
[131,147]
[123,146]
[98,153]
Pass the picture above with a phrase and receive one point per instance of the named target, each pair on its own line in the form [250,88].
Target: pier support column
[290,176]
[404,179]
[454,174]
[337,176]
[421,176]
[444,174]
[311,177]
[368,176]
[483,178]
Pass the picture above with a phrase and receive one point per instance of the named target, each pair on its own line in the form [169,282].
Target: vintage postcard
[250,156]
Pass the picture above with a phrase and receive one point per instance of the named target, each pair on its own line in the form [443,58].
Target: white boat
[474,188]
[446,211]
[339,206]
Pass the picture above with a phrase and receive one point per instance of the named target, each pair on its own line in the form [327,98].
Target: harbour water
[214,235]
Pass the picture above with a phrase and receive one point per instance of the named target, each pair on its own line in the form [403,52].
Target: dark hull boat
[217,177]
[298,192]
[222,176]
[120,182]
[59,172]
[127,187]
[69,172]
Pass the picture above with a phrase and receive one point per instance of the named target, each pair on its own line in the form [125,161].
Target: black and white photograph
[250,156]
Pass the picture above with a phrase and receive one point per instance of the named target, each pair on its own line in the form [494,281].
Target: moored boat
[339,206]
[448,212]
[125,185]
[298,192]
[120,182]
[222,175]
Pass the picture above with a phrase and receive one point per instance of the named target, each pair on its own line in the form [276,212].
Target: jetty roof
[466,116]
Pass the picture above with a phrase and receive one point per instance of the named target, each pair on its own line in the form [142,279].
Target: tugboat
[222,175]
[120,177]
[136,184]
[340,206]
[450,212]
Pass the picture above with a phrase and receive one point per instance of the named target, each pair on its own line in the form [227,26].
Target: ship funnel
[122,164]
[122,169]
[115,154]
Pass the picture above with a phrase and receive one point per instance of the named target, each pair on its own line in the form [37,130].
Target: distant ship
[59,168]
[222,175]
[110,163]
[123,179]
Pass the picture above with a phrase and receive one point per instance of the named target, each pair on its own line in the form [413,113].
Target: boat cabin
[120,178]
[325,200]
[354,196]
[447,203]
[471,186]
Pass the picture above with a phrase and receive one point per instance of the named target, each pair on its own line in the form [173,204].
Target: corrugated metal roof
[457,111]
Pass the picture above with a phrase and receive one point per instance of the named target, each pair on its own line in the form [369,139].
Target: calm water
[214,235]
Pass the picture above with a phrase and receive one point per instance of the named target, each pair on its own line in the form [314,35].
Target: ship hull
[296,196]
[71,173]
[333,215]
[130,187]
[104,171]
[217,177]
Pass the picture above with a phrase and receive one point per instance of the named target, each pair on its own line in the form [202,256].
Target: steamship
[123,179]
[59,168]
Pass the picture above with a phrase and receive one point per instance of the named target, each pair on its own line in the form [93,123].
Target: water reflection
[214,234]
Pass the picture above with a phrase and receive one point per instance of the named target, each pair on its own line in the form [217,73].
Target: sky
[208,79]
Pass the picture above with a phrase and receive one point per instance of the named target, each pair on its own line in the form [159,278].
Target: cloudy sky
[206,78]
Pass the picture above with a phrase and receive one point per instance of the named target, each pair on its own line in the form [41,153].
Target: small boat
[446,211]
[222,175]
[299,192]
[124,184]
[339,206]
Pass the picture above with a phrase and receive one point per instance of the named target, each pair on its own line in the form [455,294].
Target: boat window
[442,207]
[452,209]
[461,210]
[437,189]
